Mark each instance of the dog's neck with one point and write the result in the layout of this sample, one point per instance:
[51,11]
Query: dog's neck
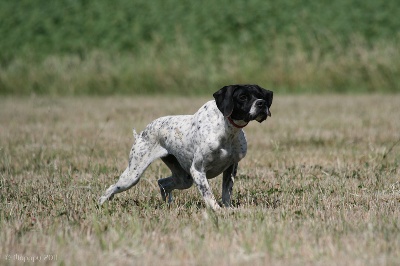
[237,123]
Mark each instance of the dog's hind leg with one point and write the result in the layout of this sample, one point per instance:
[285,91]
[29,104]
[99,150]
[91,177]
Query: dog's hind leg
[142,154]
[180,179]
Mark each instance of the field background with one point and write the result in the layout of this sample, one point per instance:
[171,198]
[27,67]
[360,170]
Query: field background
[193,47]
[320,184]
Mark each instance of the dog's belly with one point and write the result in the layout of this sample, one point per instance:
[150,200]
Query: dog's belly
[220,160]
[217,168]
[214,165]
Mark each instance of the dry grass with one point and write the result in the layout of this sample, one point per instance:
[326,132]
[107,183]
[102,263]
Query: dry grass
[320,185]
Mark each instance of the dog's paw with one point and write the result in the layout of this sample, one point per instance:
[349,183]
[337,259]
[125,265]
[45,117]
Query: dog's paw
[101,200]
[104,198]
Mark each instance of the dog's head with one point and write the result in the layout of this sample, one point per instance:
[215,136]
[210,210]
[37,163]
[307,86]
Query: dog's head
[244,102]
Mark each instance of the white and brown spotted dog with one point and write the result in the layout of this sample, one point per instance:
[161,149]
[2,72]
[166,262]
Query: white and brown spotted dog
[200,146]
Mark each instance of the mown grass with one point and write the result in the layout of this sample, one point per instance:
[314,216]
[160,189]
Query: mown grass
[320,185]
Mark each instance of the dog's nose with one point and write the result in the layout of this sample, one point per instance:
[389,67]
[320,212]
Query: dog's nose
[261,103]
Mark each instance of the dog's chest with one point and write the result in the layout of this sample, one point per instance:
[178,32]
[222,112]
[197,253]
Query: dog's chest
[218,160]
[206,136]
[221,145]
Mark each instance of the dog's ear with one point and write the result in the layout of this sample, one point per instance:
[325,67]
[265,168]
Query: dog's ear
[224,99]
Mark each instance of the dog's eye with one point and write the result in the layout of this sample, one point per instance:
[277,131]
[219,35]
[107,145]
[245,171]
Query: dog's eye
[243,97]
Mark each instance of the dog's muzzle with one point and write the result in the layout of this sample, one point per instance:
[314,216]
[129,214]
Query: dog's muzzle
[259,111]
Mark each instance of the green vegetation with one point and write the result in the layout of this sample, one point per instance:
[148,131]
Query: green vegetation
[194,47]
[316,187]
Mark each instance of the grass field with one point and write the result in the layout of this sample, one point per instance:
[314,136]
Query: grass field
[181,47]
[320,185]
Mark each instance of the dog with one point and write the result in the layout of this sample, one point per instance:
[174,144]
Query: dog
[198,147]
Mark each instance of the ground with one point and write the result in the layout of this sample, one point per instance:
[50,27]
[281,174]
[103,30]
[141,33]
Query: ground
[320,185]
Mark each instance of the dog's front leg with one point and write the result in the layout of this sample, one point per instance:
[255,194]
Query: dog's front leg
[200,179]
[227,184]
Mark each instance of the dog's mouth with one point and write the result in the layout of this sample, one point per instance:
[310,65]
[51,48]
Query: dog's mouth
[260,116]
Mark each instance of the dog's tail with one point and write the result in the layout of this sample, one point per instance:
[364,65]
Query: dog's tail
[135,135]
